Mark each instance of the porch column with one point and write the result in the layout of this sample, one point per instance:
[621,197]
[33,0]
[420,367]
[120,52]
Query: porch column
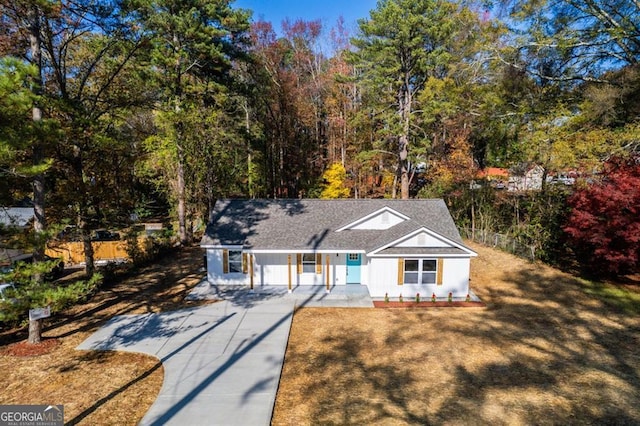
[328,272]
[289,269]
[251,258]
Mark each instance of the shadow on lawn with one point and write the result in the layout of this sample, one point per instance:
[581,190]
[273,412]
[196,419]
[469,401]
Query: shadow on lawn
[589,347]
[128,336]
[544,351]
[159,287]
[149,333]
[581,353]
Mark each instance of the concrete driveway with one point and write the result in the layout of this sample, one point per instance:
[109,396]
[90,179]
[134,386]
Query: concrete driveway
[222,362]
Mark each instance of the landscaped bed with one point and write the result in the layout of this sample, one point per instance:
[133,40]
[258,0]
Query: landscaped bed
[421,304]
[544,351]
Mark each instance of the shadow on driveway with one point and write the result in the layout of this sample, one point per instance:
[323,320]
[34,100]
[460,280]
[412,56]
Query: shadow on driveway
[222,361]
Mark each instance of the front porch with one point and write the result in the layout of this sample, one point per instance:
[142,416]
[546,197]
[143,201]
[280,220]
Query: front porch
[339,296]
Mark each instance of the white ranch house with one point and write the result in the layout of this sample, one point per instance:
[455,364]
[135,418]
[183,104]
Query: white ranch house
[390,246]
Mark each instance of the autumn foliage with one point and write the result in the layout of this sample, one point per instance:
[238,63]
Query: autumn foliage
[334,186]
[604,225]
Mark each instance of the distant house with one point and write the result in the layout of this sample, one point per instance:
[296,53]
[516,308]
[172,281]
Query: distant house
[390,246]
[19,217]
[528,179]
[563,178]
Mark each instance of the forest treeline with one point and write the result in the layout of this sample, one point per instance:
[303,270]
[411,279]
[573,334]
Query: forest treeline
[119,109]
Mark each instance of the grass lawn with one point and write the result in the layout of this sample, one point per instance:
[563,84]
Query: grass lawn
[99,388]
[548,349]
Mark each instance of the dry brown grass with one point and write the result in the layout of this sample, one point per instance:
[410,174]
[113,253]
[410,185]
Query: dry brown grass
[542,352]
[100,388]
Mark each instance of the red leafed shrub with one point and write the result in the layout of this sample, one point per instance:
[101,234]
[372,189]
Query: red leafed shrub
[604,225]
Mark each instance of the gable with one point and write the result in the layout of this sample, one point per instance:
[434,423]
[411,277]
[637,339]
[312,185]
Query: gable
[423,241]
[381,219]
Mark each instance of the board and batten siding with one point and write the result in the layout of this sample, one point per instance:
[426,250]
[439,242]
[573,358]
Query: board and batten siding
[383,220]
[273,269]
[383,278]
[422,240]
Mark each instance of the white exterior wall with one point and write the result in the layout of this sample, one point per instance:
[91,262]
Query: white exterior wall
[215,273]
[379,274]
[339,268]
[383,220]
[383,278]
[422,240]
[273,269]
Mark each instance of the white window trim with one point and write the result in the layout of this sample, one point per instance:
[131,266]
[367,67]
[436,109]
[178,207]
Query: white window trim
[420,272]
[236,262]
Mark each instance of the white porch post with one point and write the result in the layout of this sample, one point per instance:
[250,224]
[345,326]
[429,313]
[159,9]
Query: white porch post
[328,271]
[251,259]
[289,270]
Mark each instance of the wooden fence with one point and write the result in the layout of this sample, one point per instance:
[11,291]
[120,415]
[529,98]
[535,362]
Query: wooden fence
[103,251]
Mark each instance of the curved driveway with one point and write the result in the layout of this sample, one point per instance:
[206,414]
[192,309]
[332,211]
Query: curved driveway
[222,361]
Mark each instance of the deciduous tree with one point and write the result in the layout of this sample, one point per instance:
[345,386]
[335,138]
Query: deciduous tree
[604,225]
[334,182]
[576,39]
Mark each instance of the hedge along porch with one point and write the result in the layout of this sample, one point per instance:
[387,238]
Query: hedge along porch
[391,246]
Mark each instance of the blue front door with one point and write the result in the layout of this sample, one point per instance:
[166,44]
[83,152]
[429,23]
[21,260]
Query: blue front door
[353,268]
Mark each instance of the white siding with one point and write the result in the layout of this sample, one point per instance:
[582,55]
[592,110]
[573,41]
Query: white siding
[383,220]
[379,274]
[422,239]
[383,278]
[273,269]
[339,269]
[215,273]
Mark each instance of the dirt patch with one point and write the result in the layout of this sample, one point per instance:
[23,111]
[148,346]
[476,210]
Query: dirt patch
[543,351]
[99,388]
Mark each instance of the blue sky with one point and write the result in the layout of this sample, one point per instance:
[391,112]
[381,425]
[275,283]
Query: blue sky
[327,11]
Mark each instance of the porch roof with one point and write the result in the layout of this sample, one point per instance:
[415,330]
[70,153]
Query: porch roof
[422,251]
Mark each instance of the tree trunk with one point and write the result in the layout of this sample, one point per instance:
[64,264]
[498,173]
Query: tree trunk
[87,247]
[182,209]
[403,152]
[39,221]
[473,216]
[405,103]
[35,331]
[180,181]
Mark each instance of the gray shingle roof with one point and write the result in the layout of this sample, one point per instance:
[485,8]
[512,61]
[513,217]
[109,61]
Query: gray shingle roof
[312,223]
